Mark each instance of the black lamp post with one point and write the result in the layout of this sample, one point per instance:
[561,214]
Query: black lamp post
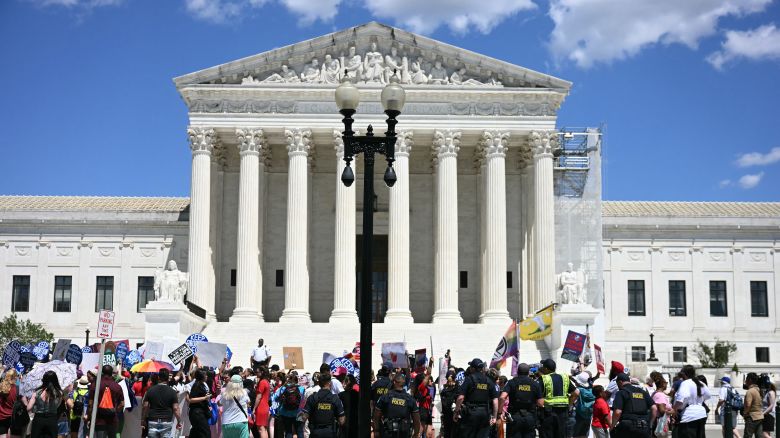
[347,99]
[652,357]
[86,341]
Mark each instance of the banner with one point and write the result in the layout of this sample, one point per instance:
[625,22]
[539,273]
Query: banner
[395,354]
[600,363]
[538,326]
[41,350]
[342,362]
[122,348]
[508,347]
[420,360]
[293,358]
[90,361]
[575,343]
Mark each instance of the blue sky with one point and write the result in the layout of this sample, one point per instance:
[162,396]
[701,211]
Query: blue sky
[688,90]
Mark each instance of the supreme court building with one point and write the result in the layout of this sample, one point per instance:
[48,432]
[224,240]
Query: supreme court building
[493,201]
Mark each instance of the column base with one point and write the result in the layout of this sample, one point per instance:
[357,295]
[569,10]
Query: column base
[246,315]
[447,317]
[494,316]
[344,315]
[295,316]
[399,316]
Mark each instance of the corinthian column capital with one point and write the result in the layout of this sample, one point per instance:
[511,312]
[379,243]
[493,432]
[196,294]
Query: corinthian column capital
[338,142]
[202,140]
[543,142]
[404,142]
[494,143]
[446,143]
[250,141]
[298,141]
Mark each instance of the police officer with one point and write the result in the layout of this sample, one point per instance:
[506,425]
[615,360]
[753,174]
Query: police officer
[633,410]
[524,396]
[382,385]
[324,410]
[476,407]
[559,394]
[396,412]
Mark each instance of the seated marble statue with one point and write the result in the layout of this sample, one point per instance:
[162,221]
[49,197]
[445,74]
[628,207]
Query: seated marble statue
[393,62]
[249,80]
[311,73]
[438,75]
[373,68]
[459,78]
[331,71]
[417,75]
[353,64]
[170,285]
[492,80]
[286,75]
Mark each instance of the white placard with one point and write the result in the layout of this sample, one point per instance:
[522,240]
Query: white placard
[89,361]
[60,349]
[105,324]
[211,354]
[395,353]
[154,350]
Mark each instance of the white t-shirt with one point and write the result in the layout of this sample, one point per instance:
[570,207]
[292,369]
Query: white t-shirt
[687,395]
[335,386]
[724,391]
[231,413]
[260,354]
[613,389]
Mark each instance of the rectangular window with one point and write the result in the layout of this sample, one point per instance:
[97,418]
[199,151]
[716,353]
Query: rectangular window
[509,280]
[280,278]
[680,354]
[758,299]
[677,298]
[464,279]
[233,277]
[104,294]
[637,354]
[762,354]
[636,298]
[718,305]
[20,299]
[145,292]
[62,292]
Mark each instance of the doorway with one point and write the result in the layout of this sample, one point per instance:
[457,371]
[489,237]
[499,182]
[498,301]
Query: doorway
[379,277]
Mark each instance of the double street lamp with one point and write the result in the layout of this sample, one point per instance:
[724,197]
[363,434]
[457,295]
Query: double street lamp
[347,99]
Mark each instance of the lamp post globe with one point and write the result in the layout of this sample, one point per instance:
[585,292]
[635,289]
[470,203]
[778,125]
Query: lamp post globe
[347,95]
[393,96]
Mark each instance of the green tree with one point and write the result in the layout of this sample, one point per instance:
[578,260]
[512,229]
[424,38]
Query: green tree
[716,356]
[22,330]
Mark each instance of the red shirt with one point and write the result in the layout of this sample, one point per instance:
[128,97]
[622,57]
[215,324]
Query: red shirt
[7,403]
[424,397]
[600,413]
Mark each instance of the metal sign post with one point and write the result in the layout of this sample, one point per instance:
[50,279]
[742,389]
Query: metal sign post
[105,331]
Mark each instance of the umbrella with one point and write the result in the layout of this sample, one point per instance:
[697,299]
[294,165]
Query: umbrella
[150,366]
[66,374]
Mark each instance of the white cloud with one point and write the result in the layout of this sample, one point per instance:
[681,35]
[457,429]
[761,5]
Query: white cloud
[759,159]
[756,44]
[312,10]
[588,32]
[425,16]
[85,4]
[750,180]
[724,183]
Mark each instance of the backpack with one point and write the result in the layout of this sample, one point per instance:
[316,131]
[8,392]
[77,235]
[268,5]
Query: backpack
[735,400]
[78,403]
[106,408]
[291,397]
[584,405]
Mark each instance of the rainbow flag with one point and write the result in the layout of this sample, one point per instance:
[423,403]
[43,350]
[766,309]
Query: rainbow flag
[508,346]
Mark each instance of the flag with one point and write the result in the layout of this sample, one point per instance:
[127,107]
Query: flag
[538,326]
[508,347]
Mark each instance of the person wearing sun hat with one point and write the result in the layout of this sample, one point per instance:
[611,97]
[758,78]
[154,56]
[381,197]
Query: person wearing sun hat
[79,396]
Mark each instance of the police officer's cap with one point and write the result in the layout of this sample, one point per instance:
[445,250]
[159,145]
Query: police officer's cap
[477,364]
[622,377]
[523,369]
[549,364]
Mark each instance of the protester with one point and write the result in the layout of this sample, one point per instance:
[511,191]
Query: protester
[583,407]
[234,402]
[725,407]
[262,404]
[612,387]
[290,397]
[349,400]
[79,397]
[198,399]
[448,395]
[753,410]
[160,407]
[44,404]
[689,399]
[601,423]
[8,396]
[768,404]
[664,407]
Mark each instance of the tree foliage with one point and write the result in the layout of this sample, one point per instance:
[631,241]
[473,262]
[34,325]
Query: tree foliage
[716,356]
[22,330]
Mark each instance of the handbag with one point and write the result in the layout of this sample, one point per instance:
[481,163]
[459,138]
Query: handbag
[662,425]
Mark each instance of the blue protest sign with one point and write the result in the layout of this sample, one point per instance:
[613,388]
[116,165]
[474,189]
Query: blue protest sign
[11,353]
[572,349]
[228,354]
[26,348]
[342,362]
[74,354]
[121,351]
[27,359]
[132,358]
[41,350]
[194,339]
[86,349]
[19,367]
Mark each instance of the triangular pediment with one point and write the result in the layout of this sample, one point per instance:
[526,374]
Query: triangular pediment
[370,53]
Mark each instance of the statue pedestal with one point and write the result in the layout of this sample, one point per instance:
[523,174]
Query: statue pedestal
[576,317]
[170,322]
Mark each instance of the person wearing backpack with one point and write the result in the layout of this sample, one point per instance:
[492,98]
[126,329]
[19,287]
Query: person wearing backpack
[583,407]
[729,403]
[110,401]
[290,397]
[79,396]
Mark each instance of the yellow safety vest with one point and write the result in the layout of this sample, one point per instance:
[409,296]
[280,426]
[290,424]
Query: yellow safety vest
[555,400]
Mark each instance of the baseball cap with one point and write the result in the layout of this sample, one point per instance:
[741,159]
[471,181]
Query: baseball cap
[622,377]
[726,379]
[477,363]
[340,371]
[236,379]
[549,364]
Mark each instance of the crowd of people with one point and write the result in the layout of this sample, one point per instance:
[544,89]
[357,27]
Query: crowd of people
[264,401]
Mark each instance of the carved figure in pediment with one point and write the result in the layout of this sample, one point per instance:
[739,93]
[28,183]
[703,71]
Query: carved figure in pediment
[418,75]
[394,62]
[311,73]
[459,78]
[353,64]
[492,80]
[331,71]
[374,70]
[286,75]
[249,80]
[438,74]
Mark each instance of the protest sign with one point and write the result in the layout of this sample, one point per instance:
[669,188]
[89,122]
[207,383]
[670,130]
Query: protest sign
[228,354]
[89,361]
[60,349]
[194,339]
[86,349]
[444,364]
[41,350]
[572,349]
[122,347]
[180,354]
[342,362]
[132,358]
[600,362]
[105,327]
[73,354]
[293,357]
[211,354]
[11,353]
[153,350]
[27,359]
[327,358]
[109,359]
[394,353]
[420,360]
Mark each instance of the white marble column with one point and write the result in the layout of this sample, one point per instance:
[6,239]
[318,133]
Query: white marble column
[249,285]
[446,144]
[530,260]
[296,269]
[345,264]
[398,235]
[494,295]
[202,141]
[523,272]
[543,144]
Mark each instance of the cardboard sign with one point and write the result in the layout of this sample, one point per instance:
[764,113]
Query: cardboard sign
[73,354]
[11,353]
[394,353]
[60,349]
[153,350]
[211,354]
[105,327]
[600,363]
[89,361]
[444,365]
[293,358]
[180,354]
[572,349]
